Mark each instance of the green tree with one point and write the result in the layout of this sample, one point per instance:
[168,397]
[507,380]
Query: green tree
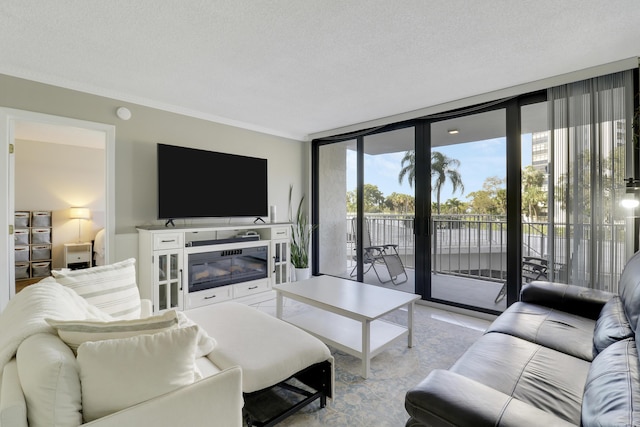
[408,170]
[454,206]
[533,196]
[400,203]
[352,201]
[373,199]
[443,168]
[491,199]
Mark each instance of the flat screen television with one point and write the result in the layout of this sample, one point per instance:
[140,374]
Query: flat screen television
[196,183]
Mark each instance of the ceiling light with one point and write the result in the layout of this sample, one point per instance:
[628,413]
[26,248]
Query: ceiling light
[453,131]
[630,200]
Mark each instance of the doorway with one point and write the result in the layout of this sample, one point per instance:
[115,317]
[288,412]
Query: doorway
[13,125]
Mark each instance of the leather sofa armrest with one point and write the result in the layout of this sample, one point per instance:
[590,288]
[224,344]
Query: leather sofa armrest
[446,399]
[573,299]
[214,400]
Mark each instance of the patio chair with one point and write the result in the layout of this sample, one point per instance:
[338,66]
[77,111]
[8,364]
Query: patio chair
[533,268]
[385,254]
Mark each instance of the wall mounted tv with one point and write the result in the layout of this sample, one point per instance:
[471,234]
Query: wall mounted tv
[196,183]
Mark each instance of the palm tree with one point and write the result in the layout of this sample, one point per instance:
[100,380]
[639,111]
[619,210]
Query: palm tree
[410,169]
[442,167]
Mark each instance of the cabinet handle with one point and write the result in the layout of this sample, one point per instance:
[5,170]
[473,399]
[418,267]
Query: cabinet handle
[212,296]
[252,288]
[167,241]
[180,278]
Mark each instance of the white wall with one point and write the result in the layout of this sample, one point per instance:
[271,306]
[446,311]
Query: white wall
[135,159]
[54,177]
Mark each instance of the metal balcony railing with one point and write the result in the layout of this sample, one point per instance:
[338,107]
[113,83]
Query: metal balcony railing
[475,245]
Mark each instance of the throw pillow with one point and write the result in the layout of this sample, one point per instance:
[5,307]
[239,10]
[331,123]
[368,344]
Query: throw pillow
[49,377]
[112,288]
[76,332]
[117,374]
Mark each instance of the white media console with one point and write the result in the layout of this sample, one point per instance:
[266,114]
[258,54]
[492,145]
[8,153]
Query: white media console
[185,267]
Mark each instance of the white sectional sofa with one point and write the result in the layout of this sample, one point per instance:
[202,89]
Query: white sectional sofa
[81,348]
[43,383]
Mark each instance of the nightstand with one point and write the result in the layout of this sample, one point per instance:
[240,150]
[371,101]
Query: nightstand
[77,255]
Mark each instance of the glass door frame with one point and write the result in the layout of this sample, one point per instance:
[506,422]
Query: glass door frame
[423,215]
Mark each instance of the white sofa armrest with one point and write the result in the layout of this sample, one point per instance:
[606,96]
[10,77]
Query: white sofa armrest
[13,407]
[146,308]
[216,400]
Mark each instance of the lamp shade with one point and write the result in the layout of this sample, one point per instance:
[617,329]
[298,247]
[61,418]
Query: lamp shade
[79,213]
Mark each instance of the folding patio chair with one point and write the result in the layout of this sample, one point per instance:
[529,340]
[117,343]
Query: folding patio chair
[533,268]
[378,255]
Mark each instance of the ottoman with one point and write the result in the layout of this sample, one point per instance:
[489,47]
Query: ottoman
[270,351]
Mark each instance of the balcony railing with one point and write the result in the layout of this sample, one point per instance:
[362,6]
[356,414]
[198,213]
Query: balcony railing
[475,245]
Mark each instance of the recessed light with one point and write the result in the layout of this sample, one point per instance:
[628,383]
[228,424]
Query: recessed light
[453,131]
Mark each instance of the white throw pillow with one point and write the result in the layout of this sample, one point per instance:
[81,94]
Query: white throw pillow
[75,332]
[112,288]
[117,374]
[49,377]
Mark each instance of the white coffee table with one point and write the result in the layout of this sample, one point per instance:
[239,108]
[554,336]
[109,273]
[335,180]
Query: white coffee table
[347,314]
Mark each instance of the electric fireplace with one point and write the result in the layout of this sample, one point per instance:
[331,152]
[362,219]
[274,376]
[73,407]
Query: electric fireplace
[207,270]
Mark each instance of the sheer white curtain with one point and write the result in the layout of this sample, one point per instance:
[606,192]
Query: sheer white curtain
[590,155]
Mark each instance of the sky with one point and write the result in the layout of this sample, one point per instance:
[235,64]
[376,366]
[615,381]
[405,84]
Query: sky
[478,161]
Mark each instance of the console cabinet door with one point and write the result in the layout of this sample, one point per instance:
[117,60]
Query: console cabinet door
[280,251]
[167,280]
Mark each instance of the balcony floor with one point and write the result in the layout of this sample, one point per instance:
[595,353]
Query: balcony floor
[444,287]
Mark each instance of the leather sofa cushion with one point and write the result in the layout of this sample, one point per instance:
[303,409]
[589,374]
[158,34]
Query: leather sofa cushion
[555,329]
[612,391]
[612,326]
[629,289]
[584,302]
[541,377]
[446,399]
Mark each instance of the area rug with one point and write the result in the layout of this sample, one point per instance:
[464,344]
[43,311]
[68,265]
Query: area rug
[379,400]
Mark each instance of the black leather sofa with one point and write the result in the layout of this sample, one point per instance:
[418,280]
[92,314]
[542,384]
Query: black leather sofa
[562,356]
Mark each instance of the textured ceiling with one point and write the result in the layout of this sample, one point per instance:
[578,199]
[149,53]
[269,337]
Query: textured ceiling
[298,67]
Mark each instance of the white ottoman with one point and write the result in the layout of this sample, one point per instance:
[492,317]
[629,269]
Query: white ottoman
[269,350]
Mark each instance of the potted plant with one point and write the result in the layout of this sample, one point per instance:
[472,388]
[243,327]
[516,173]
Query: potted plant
[300,239]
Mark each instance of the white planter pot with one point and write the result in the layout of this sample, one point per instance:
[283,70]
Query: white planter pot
[301,273]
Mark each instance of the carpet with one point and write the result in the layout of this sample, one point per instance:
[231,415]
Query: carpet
[379,400]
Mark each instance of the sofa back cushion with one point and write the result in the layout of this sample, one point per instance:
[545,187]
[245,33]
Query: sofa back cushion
[612,326]
[112,288]
[629,289]
[49,376]
[612,390]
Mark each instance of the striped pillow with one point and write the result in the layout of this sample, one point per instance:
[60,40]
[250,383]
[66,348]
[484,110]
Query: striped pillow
[76,332]
[112,288]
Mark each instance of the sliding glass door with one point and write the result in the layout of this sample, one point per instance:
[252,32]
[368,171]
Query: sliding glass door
[469,210]
[472,204]
[366,208]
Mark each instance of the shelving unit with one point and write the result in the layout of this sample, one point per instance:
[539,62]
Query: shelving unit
[32,238]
